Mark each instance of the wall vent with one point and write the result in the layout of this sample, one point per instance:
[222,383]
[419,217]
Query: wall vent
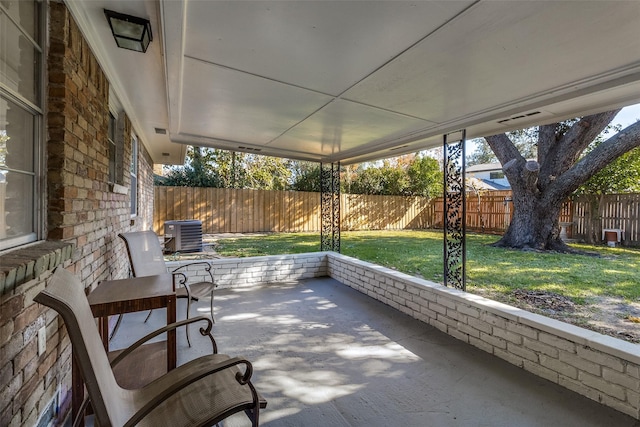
[519,116]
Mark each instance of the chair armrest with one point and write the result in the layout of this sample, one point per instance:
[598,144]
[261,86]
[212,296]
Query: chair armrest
[242,378]
[207,266]
[203,331]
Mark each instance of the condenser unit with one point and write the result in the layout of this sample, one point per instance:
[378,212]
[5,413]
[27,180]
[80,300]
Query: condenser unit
[183,236]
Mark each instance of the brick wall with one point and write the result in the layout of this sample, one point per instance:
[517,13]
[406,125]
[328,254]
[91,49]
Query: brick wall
[84,216]
[599,367]
[239,272]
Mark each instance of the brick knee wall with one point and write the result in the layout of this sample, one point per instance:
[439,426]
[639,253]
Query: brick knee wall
[599,367]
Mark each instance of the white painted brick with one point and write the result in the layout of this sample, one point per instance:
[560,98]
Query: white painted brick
[509,357]
[494,320]
[488,348]
[580,388]
[618,405]
[620,379]
[450,322]
[428,295]
[468,330]
[428,313]
[580,363]
[558,366]
[600,358]
[633,397]
[540,347]
[413,306]
[459,335]
[557,342]
[469,311]
[479,325]
[453,314]
[522,352]
[437,308]
[447,302]
[508,336]
[438,325]
[541,371]
[602,385]
[494,341]
[633,370]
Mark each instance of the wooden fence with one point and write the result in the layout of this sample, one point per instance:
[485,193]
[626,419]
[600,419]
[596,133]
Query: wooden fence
[226,210]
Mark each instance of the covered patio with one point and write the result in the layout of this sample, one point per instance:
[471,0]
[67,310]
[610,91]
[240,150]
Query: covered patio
[325,354]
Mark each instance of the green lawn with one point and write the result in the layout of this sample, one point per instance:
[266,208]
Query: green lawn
[491,271]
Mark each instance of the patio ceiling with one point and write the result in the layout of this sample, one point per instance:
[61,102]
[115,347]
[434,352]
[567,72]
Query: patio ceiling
[358,80]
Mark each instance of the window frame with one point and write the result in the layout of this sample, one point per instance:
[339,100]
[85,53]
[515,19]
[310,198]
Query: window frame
[133,172]
[36,110]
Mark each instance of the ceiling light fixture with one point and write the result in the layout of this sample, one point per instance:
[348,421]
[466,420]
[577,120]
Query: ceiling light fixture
[130,32]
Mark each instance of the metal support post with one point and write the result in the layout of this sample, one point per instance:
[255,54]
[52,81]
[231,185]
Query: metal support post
[330,206]
[454,216]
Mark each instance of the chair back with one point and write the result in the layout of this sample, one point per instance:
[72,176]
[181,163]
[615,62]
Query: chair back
[145,253]
[65,294]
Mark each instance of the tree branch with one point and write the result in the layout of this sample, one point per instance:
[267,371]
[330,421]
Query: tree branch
[625,140]
[581,134]
[503,147]
[546,141]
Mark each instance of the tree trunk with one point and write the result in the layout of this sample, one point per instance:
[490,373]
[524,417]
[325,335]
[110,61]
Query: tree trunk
[534,225]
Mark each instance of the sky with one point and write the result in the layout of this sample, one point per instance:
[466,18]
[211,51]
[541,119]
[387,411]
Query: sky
[627,116]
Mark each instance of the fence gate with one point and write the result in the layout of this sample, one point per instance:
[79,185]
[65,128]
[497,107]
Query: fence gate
[454,210]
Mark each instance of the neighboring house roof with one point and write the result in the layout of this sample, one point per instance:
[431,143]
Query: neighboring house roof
[484,167]
[484,184]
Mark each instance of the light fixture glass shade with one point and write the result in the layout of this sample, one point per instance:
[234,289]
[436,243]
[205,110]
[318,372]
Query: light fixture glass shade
[130,32]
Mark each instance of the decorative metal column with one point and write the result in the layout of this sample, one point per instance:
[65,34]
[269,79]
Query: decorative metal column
[330,206]
[454,216]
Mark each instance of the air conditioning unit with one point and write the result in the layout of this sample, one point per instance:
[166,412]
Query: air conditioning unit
[183,236]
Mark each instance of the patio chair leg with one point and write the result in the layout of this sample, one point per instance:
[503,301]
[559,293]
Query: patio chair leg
[187,326]
[212,319]
[115,329]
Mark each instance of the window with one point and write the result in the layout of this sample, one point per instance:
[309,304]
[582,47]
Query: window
[21,76]
[496,175]
[133,168]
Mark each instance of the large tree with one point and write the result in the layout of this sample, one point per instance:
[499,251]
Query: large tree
[541,186]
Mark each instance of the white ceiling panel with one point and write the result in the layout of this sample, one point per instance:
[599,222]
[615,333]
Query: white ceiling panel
[344,126]
[220,103]
[322,45]
[497,54]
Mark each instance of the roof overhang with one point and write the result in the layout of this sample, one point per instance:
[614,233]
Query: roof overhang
[352,81]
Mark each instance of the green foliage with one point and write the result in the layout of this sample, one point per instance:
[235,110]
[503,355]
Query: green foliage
[305,176]
[620,176]
[491,271]
[206,167]
[525,141]
[198,172]
[425,177]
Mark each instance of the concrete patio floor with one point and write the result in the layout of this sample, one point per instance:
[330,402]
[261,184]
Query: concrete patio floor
[327,355]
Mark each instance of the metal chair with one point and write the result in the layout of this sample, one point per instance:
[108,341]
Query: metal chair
[201,392]
[146,259]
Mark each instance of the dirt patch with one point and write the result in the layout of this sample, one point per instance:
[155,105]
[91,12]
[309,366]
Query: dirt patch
[606,315]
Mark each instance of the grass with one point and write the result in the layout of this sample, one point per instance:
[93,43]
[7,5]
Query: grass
[491,271]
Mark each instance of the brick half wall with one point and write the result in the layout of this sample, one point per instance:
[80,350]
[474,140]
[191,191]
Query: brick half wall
[602,368]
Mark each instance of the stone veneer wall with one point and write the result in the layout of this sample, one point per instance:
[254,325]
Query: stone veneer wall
[599,367]
[84,217]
